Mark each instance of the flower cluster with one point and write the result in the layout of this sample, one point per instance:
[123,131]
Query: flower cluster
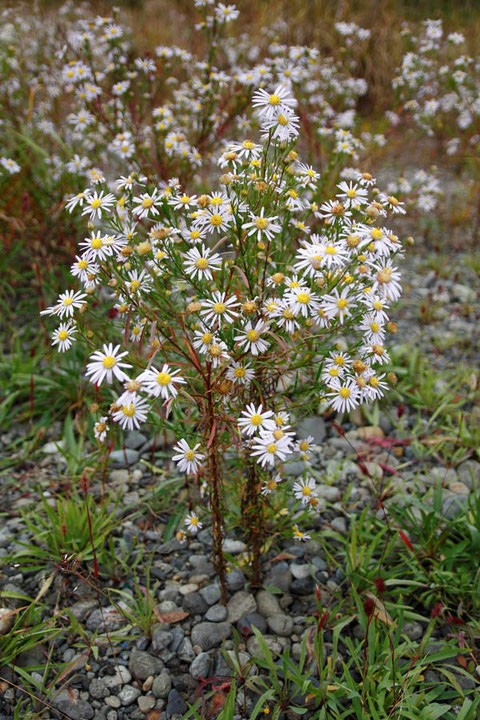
[438,83]
[237,307]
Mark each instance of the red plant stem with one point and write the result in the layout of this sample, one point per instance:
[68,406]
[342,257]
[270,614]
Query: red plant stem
[215,487]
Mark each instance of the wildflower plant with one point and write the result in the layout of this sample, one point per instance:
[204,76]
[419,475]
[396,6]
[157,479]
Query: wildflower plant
[229,315]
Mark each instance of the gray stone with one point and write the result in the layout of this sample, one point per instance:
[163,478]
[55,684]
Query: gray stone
[235,579]
[81,609]
[314,426]
[161,639]
[328,492]
[194,603]
[185,651]
[146,703]
[68,701]
[162,685]
[340,524]
[240,604]
[216,613]
[107,619]
[142,664]
[208,635]
[123,458]
[128,694]
[97,688]
[302,586]
[244,625]
[233,547]
[469,473]
[121,676]
[211,593]
[281,625]
[279,577]
[201,666]
[413,630]
[135,440]
[453,505]
[300,571]
[114,701]
[176,705]
[267,604]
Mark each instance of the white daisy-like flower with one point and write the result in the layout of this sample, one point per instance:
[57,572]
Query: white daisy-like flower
[100,429]
[146,204]
[219,308]
[337,305]
[96,204]
[106,365]
[270,486]
[352,195]
[63,336]
[201,262]
[193,523]
[268,450]
[250,338]
[84,268]
[161,382]
[67,302]
[240,373]
[262,226]
[344,394]
[187,459]
[299,535]
[305,446]
[131,414]
[282,127]
[302,301]
[271,104]
[98,247]
[303,490]
[254,419]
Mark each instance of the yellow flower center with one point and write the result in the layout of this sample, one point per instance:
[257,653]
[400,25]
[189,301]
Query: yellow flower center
[134,285]
[306,491]
[256,420]
[376,234]
[185,199]
[342,304]
[330,250]
[272,448]
[147,202]
[282,120]
[129,410]
[95,203]
[82,264]
[261,223]
[207,338]
[190,455]
[351,193]
[252,335]
[108,362]
[216,220]
[239,372]
[201,263]
[215,350]
[164,378]
[303,298]
[344,392]
[219,308]
[62,335]
[248,145]
[274,100]
[278,434]
[96,243]
[68,301]
[304,445]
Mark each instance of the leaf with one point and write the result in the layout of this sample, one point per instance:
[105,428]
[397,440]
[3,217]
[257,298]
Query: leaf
[282,556]
[173,617]
[380,610]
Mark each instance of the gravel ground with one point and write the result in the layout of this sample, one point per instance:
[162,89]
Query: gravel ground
[153,677]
